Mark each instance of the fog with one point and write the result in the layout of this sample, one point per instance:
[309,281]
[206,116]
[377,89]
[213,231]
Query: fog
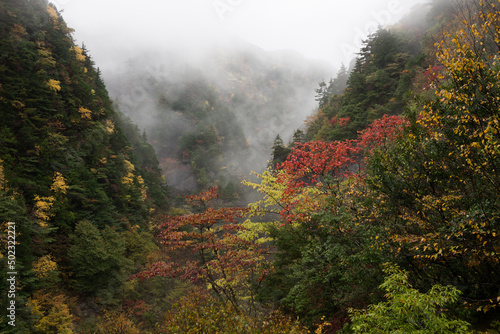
[257,94]
[331,30]
[270,54]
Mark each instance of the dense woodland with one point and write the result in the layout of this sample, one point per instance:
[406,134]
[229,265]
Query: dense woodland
[380,215]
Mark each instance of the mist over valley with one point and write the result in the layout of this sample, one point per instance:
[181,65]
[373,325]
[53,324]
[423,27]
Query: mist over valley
[153,67]
[241,96]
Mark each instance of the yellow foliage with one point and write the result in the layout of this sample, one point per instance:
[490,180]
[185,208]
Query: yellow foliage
[59,183]
[303,202]
[129,166]
[52,12]
[55,85]
[471,113]
[36,307]
[46,59]
[272,191]
[110,126]
[44,266]
[79,53]
[143,188]
[198,312]
[51,313]
[49,62]
[113,322]
[85,113]
[44,52]
[42,209]
[257,232]
[129,178]
[322,326]
[2,175]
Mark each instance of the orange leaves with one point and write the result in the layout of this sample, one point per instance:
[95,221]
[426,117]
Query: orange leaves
[173,233]
[203,197]
[18,32]
[381,131]
[161,268]
[218,256]
[341,122]
[310,162]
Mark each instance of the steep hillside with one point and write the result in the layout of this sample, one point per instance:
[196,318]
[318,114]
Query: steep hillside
[390,68]
[195,134]
[397,177]
[74,174]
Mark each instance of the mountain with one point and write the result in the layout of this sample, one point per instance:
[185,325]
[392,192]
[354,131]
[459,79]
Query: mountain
[389,70]
[75,176]
[243,92]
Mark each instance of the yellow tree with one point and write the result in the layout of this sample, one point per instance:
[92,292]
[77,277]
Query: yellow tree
[465,118]
[51,313]
[293,205]
[440,184]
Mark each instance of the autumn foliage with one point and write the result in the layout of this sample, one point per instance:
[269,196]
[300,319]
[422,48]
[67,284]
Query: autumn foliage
[381,132]
[313,162]
[374,182]
[198,312]
[220,258]
[419,190]
[439,183]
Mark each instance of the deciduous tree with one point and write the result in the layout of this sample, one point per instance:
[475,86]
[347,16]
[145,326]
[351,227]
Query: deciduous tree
[221,259]
[440,182]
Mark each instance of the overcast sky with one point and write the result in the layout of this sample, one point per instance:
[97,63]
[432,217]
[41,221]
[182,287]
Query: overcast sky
[325,29]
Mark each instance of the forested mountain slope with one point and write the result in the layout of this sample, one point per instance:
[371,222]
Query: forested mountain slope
[397,177]
[75,176]
[393,64]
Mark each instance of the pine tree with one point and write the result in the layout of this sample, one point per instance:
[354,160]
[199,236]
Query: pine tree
[279,152]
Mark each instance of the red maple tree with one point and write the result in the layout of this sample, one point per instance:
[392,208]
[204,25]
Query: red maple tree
[220,257]
[381,131]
